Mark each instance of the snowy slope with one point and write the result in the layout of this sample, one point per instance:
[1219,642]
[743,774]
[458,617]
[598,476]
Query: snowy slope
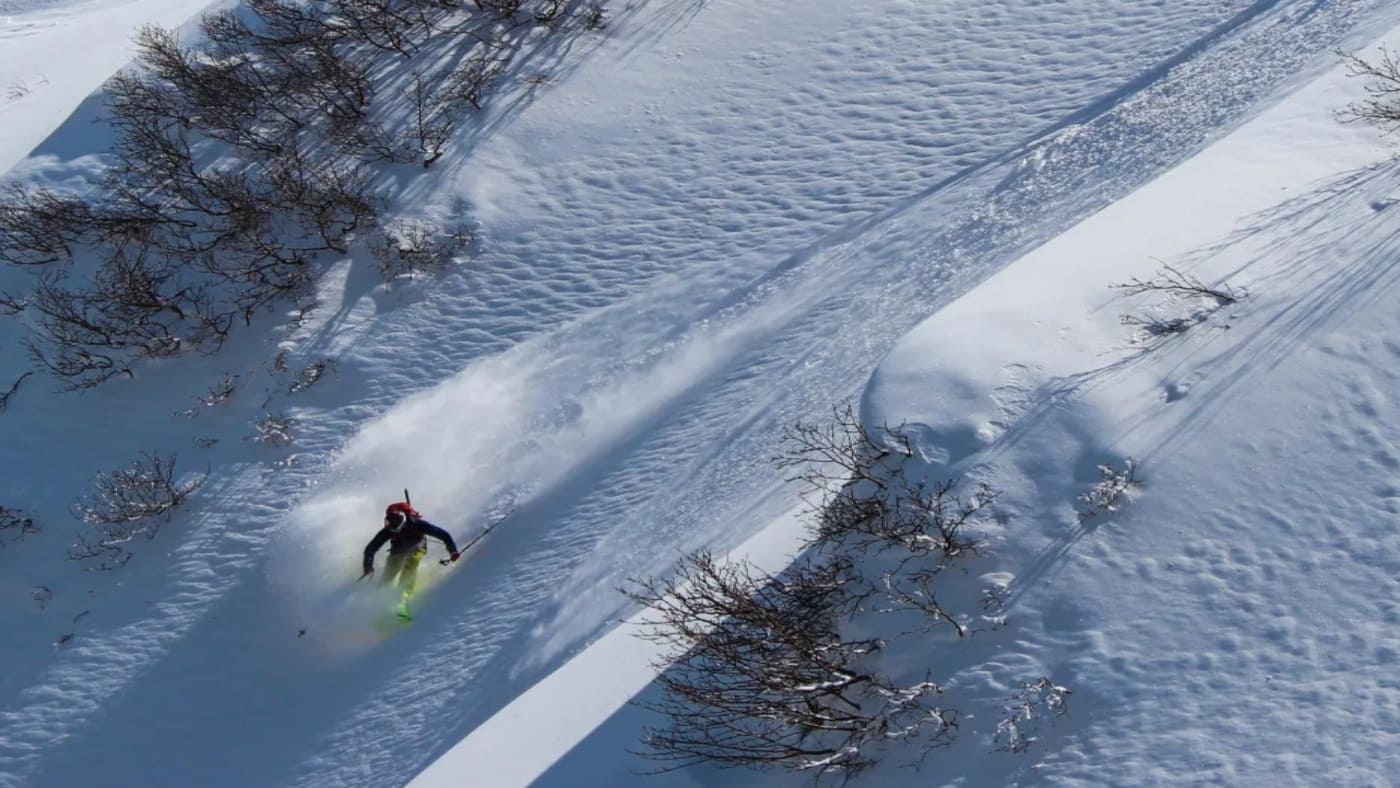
[714,220]
[1246,594]
[54,53]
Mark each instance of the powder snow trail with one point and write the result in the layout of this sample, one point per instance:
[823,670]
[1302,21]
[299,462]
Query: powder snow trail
[626,369]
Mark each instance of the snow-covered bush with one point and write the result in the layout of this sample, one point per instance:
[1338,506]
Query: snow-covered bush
[412,247]
[757,672]
[144,490]
[762,671]
[1036,702]
[1107,494]
[310,375]
[130,502]
[272,429]
[862,498]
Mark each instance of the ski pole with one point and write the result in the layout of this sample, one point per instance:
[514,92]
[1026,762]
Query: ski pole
[477,538]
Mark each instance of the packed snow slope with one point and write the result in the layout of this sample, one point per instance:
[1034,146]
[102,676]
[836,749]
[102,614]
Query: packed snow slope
[710,220]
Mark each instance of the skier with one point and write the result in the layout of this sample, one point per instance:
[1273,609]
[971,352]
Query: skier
[406,532]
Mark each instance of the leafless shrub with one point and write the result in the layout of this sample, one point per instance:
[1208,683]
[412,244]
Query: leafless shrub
[272,429]
[1107,494]
[100,557]
[410,247]
[17,523]
[757,674]
[131,310]
[20,88]
[183,242]
[239,161]
[144,492]
[129,503]
[469,83]
[861,498]
[1037,701]
[310,374]
[220,392]
[399,26]
[1173,282]
[1382,105]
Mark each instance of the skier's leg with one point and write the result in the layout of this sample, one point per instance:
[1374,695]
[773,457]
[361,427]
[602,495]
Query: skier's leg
[393,565]
[408,578]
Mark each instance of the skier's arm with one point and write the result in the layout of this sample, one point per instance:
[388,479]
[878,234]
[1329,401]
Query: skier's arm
[438,533]
[373,547]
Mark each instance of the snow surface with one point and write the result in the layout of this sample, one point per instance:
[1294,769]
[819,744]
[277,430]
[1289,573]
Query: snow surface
[710,221]
[55,53]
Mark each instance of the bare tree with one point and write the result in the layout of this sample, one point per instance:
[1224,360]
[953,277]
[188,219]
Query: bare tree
[757,673]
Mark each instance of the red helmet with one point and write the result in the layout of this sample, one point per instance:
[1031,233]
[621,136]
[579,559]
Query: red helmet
[396,514]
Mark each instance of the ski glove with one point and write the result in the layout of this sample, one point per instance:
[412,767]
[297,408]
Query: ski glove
[456,555]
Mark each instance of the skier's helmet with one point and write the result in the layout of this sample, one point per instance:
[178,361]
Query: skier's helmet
[396,515]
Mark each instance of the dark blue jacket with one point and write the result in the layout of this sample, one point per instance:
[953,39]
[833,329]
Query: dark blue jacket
[408,539]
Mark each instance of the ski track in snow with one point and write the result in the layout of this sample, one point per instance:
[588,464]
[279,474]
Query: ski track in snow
[707,249]
[1283,587]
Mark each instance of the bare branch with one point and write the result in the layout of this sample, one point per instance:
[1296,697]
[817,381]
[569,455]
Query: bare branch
[14,387]
[1170,280]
